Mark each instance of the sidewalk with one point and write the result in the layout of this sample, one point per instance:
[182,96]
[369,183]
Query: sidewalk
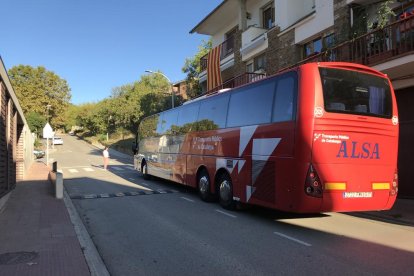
[37,236]
[401,213]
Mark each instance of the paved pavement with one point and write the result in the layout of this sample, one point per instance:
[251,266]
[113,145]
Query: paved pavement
[37,236]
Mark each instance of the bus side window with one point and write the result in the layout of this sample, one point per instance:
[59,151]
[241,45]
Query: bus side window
[167,120]
[283,109]
[213,113]
[186,118]
[251,105]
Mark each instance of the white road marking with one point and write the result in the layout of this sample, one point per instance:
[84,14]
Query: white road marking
[73,170]
[227,214]
[75,167]
[117,168]
[292,239]
[132,179]
[88,169]
[187,199]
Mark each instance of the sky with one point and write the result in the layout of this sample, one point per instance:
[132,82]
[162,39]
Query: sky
[97,45]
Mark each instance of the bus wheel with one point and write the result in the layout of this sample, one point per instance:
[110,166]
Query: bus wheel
[204,186]
[144,170]
[226,192]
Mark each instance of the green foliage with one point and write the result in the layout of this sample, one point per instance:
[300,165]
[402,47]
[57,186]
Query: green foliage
[36,122]
[36,88]
[126,106]
[383,15]
[192,69]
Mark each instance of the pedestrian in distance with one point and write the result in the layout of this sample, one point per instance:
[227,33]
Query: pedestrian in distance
[106,157]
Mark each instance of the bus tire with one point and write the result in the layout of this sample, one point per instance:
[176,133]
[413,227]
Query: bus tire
[225,192]
[204,186]
[144,170]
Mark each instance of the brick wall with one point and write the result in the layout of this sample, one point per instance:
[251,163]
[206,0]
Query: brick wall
[239,66]
[3,141]
[282,51]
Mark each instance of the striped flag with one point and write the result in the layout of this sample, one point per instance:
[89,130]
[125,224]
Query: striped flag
[213,68]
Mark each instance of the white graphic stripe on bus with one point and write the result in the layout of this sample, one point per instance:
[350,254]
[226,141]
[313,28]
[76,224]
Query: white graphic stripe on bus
[241,164]
[261,151]
[246,134]
[222,163]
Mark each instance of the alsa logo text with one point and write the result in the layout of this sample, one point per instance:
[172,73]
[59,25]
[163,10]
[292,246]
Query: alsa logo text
[354,149]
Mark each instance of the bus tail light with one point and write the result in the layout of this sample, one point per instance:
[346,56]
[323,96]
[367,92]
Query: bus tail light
[394,185]
[313,185]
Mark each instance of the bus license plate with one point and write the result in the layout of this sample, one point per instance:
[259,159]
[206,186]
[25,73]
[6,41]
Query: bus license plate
[357,194]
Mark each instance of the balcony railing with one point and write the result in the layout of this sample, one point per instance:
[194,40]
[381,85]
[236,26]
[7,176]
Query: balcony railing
[227,48]
[238,81]
[392,41]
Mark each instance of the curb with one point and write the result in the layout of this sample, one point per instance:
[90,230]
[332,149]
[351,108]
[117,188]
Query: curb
[92,257]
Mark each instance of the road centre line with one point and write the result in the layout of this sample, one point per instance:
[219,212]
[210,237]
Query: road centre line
[187,199]
[227,214]
[292,239]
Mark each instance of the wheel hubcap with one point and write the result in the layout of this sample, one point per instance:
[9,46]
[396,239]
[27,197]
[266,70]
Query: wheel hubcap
[225,190]
[203,184]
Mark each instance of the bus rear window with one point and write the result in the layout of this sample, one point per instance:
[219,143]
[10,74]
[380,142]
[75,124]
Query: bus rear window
[354,92]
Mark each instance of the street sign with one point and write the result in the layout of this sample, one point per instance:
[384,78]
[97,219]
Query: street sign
[47,131]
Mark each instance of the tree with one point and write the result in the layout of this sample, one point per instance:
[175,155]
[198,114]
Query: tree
[35,121]
[126,106]
[36,88]
[192,68]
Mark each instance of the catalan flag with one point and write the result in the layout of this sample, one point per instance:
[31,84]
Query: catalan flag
[213,68]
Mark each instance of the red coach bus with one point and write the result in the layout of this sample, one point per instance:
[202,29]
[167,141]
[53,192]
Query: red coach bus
[318,138]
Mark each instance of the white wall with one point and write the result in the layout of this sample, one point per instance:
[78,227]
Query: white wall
[219,37]
[255,10]
[289,12]
[323,19]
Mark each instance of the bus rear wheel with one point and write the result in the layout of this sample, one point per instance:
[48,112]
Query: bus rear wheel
[204,186]
[144,170]
[226,192]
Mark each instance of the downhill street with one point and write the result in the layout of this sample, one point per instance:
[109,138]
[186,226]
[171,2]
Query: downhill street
[154,227]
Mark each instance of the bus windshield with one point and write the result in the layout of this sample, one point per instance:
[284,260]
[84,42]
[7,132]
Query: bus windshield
[354,92]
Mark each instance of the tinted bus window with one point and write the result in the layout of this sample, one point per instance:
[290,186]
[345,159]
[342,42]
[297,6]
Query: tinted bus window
[356,93]
[188,114]
[285,100]
[251,105]
[148,126]
[167,119]
[213,113]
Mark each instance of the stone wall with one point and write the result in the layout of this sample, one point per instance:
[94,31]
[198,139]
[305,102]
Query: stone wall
[282,51]
[239,66]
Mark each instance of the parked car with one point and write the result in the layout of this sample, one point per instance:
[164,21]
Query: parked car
[57,141]
[71,133]
[38,153]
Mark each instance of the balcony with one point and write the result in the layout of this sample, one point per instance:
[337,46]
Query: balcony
[238,81]
[227,48]
[379,46]
[254,40]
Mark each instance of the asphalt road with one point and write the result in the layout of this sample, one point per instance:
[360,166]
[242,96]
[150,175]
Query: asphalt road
[154,227]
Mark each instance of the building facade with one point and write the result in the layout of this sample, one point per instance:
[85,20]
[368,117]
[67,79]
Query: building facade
[258,38]
[16,141]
